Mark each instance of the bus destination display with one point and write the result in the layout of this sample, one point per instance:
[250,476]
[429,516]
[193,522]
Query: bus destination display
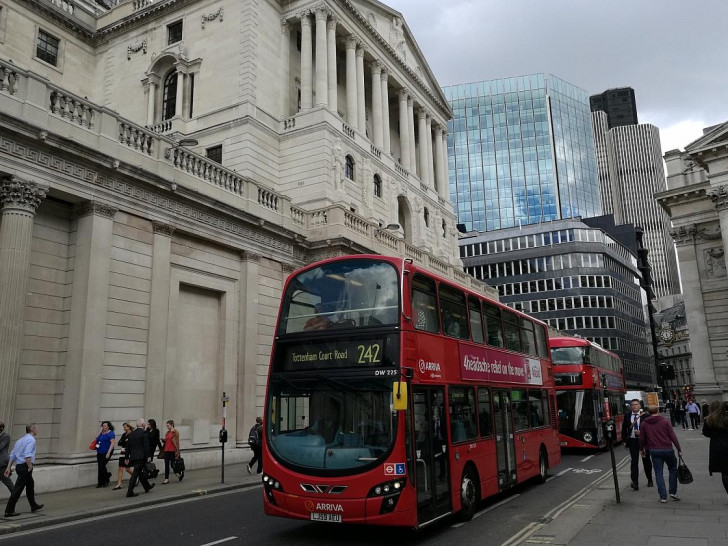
[335,354]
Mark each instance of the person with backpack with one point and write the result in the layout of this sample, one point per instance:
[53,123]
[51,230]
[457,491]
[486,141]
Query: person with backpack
[255,441]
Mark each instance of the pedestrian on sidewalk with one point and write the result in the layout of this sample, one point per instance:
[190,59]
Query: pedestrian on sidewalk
[105,442]
[657,438]
[154,441]
[138,455]
[171,449]
[716,428]
[255,441]
[123,461]
[682,413]
[5,457]
[670,407]
[631,435]
[23,457]
[694,412]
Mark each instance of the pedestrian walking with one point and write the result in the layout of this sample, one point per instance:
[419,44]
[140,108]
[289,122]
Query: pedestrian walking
[694,413]
[631,427]
[704,410]
[171,450]
[154,441]
[138,455]
[124,465]
[716,428]
[682,413]
[5,457]
[255,441]
[670,407]
[657,438]
[105,442]
[23,457]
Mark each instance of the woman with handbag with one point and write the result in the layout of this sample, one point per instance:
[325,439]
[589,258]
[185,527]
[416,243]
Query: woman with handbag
[154,441]
[104,446]
[122,443]
[171,449]
[715,427]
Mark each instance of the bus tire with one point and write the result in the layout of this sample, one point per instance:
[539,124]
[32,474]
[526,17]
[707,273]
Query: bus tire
[543,466]
[469,495]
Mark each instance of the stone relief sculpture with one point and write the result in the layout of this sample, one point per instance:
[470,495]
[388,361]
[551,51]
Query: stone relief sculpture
[396,38]
[715,266]
[372,20]
[338,165]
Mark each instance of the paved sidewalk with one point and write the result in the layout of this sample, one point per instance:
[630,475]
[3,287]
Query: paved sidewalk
[85,502]
[594,517]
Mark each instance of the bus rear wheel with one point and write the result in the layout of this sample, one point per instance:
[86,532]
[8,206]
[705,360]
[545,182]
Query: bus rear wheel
[469,495]
[543,467]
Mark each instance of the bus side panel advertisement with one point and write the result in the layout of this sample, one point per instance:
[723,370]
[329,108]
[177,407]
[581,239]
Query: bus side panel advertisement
[480,364]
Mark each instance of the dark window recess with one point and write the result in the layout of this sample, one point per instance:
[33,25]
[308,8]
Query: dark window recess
[215,153]
[169,99]
[377,186]
[298,40]
[47,48]
[174,33]
[349,168]
[192,92]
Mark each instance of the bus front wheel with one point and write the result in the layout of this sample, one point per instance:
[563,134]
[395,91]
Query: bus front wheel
[469,495]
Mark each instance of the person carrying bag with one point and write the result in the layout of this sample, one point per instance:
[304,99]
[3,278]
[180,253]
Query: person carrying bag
[171,453]
[684,476]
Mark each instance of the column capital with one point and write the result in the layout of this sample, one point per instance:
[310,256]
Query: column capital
[94,207]
[684,234]
[410,101]
[287,268]
[719,196]
[304,17]
[403,94]
[19,194]
[438,130]
[161,228]
[321,12]
[332,22]
[428,117]
[377,68]
[285,26]
[248,256]
[351,41]
[385,72]
[359,49]
[421,113]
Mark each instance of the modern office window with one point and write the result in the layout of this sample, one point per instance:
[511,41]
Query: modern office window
[46,48]
[215,153]
[169,97]
[174,33]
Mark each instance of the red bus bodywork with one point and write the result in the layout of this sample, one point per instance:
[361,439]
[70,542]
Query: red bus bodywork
[441,373]
[581,422]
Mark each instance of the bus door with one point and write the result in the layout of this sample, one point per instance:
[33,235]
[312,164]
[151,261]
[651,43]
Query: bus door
[432,472]
[504,439]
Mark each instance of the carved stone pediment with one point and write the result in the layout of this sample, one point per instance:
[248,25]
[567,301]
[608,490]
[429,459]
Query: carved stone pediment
[716,137]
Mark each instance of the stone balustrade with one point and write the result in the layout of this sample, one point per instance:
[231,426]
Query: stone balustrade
[72,107]
[162,128]
[136,137]
[9,78]
[206,169]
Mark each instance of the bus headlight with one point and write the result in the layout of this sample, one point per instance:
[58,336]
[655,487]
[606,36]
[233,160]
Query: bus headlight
[270,484]
[390,492]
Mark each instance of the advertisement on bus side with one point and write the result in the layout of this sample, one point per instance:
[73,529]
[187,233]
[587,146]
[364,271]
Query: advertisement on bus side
[480,364]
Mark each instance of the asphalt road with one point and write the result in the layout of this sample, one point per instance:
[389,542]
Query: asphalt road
[237,518]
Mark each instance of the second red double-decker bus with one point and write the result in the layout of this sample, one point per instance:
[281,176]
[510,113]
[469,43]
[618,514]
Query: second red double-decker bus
[582,370]
[396,397]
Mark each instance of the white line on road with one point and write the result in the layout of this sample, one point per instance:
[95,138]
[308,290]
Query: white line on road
[585,459]
[228,539]
[496,505]
[564,471]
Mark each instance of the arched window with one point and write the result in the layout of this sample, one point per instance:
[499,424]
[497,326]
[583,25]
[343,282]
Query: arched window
[427,217]
[349,169]
[169,98]
[377,186]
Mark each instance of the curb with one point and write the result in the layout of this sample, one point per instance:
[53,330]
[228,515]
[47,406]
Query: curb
[94,512]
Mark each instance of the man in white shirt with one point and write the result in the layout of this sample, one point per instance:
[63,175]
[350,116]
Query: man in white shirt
[631,438]
[23,457]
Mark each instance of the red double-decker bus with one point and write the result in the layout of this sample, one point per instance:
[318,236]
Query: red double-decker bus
[396,397]
[581,371]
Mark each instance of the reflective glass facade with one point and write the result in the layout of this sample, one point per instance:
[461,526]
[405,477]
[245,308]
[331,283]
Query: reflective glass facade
[521,152]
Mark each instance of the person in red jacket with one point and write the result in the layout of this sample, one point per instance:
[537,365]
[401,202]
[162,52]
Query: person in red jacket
[657,438]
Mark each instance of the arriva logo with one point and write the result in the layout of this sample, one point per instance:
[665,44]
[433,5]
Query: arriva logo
[329,507]
[429,366]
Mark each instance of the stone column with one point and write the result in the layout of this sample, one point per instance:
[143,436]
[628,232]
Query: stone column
[20,199]
[247,377]
[152,97]
[331,57]
[179,99]
[430,167]
[404,130]
[385,111]
[705,382]
[422,126]
[445,185]
[158,319]
[377,104]
[285,53]
[352,117]
[82,381]
[306,62]
[322,62]
[438,160]
[411,130]
[360,97]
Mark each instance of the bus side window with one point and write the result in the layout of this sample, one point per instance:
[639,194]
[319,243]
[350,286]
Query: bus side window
[546,408]
[535,408]
[493,327]
[512,332]
[484,413]
[453,309]
[424,305]
[520,409]
[476,321]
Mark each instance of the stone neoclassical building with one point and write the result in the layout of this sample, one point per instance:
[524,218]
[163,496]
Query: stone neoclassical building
[697,202]
[164,165]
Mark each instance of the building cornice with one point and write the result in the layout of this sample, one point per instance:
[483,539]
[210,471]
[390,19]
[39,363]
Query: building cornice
[61,18]
[684,195]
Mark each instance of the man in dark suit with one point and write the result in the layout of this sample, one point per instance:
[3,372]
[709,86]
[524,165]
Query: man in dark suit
[631,437]
[138,453]
[5,457]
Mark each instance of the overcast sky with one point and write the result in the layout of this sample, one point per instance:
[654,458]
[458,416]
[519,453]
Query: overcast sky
[674,53]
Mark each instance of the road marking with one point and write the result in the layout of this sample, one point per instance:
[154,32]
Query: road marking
[585,459]
[228,539]
[496,505]
[564,471]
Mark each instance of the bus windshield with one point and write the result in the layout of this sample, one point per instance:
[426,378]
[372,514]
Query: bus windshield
[354,293]
[567,355]
[324,423]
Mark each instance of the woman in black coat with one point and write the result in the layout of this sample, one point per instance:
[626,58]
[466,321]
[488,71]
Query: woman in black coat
[154,441]
[715,427]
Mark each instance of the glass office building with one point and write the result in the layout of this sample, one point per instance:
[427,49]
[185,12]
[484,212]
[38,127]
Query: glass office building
[521,151]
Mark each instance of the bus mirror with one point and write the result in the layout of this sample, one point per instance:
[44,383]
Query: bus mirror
[399,395]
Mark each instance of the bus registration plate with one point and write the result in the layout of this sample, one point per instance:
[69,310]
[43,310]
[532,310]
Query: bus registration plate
[332,518]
